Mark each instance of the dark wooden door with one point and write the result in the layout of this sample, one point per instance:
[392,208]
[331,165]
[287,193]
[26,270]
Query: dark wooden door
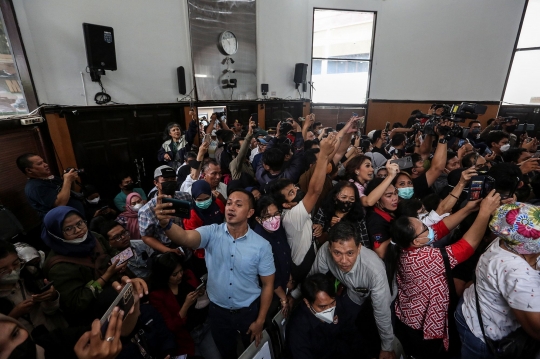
[112,141]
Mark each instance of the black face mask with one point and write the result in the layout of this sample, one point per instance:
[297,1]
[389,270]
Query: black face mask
[511,128]
[168,188]
[129,186]
[299,196]
[25,350]
[343,206]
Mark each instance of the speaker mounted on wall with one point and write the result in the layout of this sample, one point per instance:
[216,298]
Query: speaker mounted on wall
[300,73]
[100,50]
[181,74]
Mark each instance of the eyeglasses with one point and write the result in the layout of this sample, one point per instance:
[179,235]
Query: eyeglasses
[16,263]
[71,230]
[270,216]
[120,236]
[424,231]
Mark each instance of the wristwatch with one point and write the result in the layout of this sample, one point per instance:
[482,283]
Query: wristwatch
[443,140]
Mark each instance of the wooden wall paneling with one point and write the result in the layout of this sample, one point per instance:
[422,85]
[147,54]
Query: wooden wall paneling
[381,111]
[330,117]
[14,143]
[261,116]
[306,108]
[61,139]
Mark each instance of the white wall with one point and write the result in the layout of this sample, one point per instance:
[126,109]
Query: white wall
[424,49]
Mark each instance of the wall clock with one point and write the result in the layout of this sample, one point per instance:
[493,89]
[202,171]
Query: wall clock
[227,43]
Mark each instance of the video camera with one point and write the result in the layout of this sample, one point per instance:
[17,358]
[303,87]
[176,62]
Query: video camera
[455,113]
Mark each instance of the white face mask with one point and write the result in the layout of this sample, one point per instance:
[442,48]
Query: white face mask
[505,148]
[76,240]
[12,277]
[136,207]
[326,316]
[93,201]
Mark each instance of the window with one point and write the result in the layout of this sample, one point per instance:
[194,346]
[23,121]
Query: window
[17,93]
[341,55]
[523,85]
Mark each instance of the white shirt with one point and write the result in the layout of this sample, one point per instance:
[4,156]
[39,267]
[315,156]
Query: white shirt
[254,152]
[431,218]
[505,280]
[186,186]
[299,228]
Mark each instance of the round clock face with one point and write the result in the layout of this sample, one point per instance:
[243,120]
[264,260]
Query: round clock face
[227,43]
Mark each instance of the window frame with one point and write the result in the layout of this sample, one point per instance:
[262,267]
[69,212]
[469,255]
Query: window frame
[370,60]
[516,49]
[19,54]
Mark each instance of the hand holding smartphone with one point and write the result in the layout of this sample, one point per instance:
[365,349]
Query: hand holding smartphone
[124,301]
[123,256]
[182,208]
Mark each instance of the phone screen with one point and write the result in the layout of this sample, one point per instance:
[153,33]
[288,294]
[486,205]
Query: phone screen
[182,208]
[124,301]
[125,255]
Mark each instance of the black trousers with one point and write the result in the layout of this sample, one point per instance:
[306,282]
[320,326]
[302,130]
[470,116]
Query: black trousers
[225,325]
[414,344]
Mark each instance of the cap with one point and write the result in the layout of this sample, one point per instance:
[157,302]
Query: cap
[164,171]
[265,140]
[370,134]
[260,133]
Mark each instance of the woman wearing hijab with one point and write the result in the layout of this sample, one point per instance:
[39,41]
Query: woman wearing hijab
[205,210]
[506,286]
[267,224]
[130,217]
[79,262]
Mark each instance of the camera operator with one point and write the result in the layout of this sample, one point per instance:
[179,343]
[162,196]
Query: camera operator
[45,191]
[508,125]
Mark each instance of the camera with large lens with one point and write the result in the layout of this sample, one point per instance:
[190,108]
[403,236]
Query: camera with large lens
[454,113]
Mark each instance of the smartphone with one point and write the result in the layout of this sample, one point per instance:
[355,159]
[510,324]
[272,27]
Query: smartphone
[201,286]
[387,127]
[480,187]
[521,127]
[207,138]
[124,256]
[255,118]
[45,288]
[124,301]
[536,154]
[355,114]
[182,208]
[404,162]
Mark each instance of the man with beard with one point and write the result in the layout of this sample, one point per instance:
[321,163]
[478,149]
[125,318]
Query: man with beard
[297,208]
[151,232]
[45,191]
[126,187]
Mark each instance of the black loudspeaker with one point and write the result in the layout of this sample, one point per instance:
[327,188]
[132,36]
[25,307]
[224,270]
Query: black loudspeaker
[300,72]
[264,89]
[181,74]
[99,43]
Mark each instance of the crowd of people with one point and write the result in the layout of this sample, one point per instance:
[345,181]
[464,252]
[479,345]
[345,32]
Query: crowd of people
[361,241]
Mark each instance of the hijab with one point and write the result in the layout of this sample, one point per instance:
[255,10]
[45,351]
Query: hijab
[212,214]
[518,224]
[52,234]
[132,217]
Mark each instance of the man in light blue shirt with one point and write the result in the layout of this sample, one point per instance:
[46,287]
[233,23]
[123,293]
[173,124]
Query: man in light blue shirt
[236,258]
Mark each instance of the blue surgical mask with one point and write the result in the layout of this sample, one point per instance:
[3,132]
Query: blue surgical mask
[431,237]
[204,204]
[406,192]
